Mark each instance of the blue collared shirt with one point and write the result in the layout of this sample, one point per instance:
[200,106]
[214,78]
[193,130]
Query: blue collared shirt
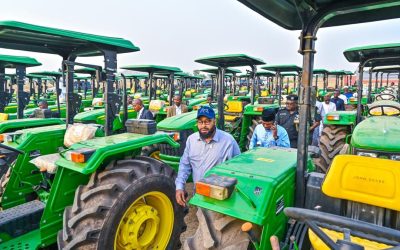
[264,138]
[200,156]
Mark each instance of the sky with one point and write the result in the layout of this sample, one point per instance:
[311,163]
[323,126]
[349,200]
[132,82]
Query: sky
[176,32]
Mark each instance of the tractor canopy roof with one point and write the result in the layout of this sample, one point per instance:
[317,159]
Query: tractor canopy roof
[382,54]
[47,73]
[29,37]
[8,61]
[265,73]
[387,69]
[292,14]
[136,76]
[338,72]
[230,60]
[196,77]
[320,71]
[282,68]
[227,71]
[85,70]
[34,76]
[152,68]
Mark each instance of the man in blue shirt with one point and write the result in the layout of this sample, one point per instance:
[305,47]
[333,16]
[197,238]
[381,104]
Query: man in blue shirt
[338,101]
[268,133]
[204,149]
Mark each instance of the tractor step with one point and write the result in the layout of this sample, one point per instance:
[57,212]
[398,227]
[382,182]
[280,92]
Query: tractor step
[20,220]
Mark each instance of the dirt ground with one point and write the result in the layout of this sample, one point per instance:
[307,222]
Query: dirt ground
[190,219]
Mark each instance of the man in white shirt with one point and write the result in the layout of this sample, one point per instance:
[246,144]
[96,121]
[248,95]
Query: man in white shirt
[324,108]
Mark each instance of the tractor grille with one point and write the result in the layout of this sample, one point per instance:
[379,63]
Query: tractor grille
[166,149]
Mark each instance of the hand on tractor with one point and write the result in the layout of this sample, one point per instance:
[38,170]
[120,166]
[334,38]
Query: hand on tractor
[274,243]
[181,197]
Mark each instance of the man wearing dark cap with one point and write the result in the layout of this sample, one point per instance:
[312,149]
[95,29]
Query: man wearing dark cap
[289,119]
[204,149]
[268,133]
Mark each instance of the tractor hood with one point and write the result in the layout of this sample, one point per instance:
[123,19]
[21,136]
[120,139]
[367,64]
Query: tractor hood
[179,122]
[380,133]
[89,116]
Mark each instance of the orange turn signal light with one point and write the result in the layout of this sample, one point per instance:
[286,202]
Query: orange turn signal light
[1,138]
[177,136]
[81,155]
[258,109]
[203,189]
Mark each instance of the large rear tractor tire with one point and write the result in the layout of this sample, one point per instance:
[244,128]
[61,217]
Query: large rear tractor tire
[332,141]
[217,231]
[254,124]
[129,205]
[152,151]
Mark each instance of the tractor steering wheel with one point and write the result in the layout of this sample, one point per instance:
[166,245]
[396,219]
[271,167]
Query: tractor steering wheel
[313,219]
[385,96]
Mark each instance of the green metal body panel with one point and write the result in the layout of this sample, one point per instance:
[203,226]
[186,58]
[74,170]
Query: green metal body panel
[42,140]
[377,133]
[12,107]
[345,118]
[13,125]
[30,111]
[114,146]
[266,177]
[265,185]
[353,101]
[29,241]
[180,122]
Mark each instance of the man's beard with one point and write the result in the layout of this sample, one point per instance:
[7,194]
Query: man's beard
[208,134]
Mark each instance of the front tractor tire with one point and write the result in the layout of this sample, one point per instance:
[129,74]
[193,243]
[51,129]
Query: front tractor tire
[332,141]
[129,205]
[217,232]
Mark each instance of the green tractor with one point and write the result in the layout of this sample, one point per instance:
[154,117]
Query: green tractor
[78,185]
[274,191]
[340,126]
[20,64]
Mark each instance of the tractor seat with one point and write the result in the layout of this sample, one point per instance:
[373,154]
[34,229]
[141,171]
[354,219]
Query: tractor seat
[75,133]
[369,187]
[3,117]
[156,105]
[234,111]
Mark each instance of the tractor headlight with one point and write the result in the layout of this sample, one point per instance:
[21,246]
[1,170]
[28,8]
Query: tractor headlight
[395,157]
[368,154]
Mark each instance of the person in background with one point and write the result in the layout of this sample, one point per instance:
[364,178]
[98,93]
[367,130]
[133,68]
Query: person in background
[288,118]
[347,93]
[178,108]
[43,111]
[268,133]
[142,113]
[324,108]
[339,102]
[204,149]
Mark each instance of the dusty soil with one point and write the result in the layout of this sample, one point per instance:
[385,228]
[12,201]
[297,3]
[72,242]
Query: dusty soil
[190,219]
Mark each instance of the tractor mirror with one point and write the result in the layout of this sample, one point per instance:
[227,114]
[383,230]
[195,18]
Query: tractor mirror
[314,151]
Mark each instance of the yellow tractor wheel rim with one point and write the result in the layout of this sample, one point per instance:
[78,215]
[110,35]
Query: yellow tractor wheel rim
[146,224]
[155,155]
